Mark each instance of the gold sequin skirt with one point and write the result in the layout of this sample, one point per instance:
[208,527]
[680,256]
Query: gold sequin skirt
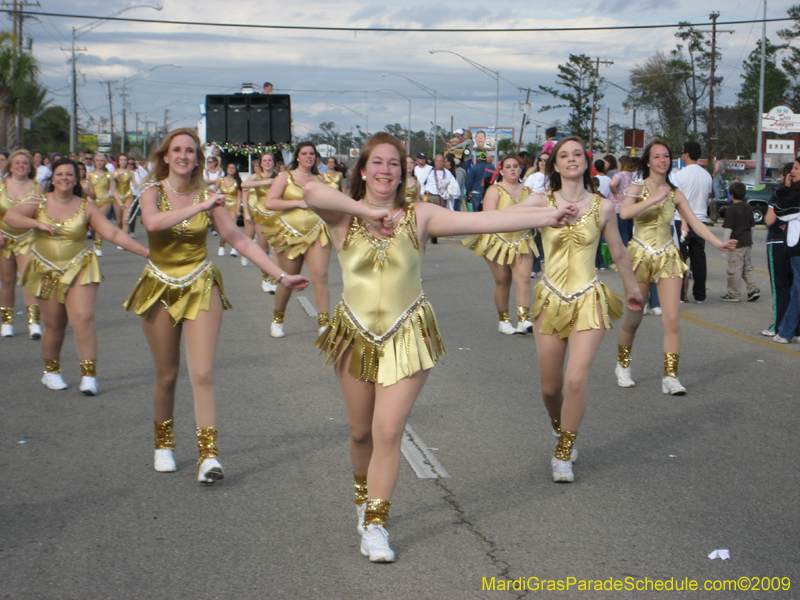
[16,245]
[502,249]
[259,214]
[183,299]
[51,282]
[411,345]
[108,199]
[650,264]
[576,311]
[295,231]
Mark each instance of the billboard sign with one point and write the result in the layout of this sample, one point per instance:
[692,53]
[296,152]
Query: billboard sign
[781,119]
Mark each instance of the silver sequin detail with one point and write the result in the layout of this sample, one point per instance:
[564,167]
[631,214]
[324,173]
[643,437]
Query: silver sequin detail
[569,298]
[178,282]
[380,340]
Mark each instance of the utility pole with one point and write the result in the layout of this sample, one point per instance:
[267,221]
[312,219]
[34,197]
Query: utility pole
[712,83]
[110,113]
[759,142]
[124,95]
[594,99]
[524,113]
[73,128]
[608,130]
[18,18]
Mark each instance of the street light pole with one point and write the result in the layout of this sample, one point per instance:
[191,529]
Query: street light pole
[429,91]
[496,75]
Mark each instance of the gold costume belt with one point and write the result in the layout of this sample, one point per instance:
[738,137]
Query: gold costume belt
[16,238]
[296,233]
[650,249]
[106,197]
[175,281]
[68,266]
[380,340]
[569,298]
[526,236]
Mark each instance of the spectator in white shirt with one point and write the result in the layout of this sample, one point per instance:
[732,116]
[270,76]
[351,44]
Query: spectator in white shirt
[603,181]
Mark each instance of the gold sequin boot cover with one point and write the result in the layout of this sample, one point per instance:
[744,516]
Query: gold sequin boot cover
[624,356]
[360,483]
[268,278]
[206,443]
[278,316]
[324,319]
[8,315]
[523,313]
[52,366]
[98,242]
[556,423]
[377,512]
[565,443]
[671,360]
[165,434]
[504,318]
[34,315]
[89,367]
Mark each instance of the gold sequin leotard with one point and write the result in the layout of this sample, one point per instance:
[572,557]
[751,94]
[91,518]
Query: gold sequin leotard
[652,248]
[255,200]
[102,187]
[412,191]
[569,292]
[503,248]
[384,315]
[18,241]
[332,180]
[294,230]
[122,179]
[231,196]
[178,274]
[57,261]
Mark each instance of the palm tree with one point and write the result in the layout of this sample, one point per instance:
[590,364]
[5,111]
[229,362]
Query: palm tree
[18,72]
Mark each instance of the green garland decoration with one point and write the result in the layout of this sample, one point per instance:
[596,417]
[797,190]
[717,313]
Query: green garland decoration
[246,149]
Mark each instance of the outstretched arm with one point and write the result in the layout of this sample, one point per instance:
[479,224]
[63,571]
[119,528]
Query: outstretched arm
[336,208]
[699,227]
[633,205]
[113,234]
[156,220]
[23,216]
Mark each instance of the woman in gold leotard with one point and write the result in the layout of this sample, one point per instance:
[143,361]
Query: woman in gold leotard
[652,203]
[383,338]
[230,186]
[123,192]
[258,185]
[571,307]
[412,185]
[17,186]
[333,177]
[509,255]
[101,190]
[298,235]
[181,290]
[63,271]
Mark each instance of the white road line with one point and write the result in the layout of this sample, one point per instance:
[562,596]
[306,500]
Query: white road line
[419,457]
[307,306]
[413,448]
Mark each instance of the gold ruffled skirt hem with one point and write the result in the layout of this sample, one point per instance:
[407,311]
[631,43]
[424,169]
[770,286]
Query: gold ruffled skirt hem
[182,303]
[16,247]
[649,267]
[580,313]
[416,345]
[44,282]
[497,249]
[262,216]
[285,239]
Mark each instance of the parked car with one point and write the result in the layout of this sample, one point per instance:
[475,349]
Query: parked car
[756,196]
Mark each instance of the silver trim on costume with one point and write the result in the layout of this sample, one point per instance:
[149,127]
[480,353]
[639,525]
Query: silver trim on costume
[61,270]
[569,298]
[296,233]
[16,238]
[175,281]
[652,250]
[380,340]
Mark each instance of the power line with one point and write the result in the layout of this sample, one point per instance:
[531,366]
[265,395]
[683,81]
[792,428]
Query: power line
[390,29]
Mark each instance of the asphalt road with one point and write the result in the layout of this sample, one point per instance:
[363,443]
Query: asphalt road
[661,481]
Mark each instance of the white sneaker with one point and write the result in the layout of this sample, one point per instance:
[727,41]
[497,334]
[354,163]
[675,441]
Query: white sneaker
[210,471]
[276,330]
[235,252]
[646,309]
[768,332]
[221,251]
[781,340]
[524,327]
[671,385]
[265,286]
[656,310]
[506,328]
[88,386]
[562,470]
[119,247]
[272,287]
[361,509]
[6,330]
[322,330]
[375,544]
[574,456]
[98,252]
[54,381]
[34,331]
[624,378]
[245,262]
[164,461]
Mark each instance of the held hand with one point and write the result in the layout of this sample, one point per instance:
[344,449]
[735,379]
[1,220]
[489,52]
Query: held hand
[563,215]
[634,300]
[45,227]
[214,200]
[295,282]
[729,246]
[376,220]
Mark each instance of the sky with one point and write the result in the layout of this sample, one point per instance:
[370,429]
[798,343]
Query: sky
[331,74]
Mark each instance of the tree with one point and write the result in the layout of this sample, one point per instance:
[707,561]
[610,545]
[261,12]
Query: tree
[49,131]
[791,62]
[696,86]
[18,72]
[658,86]
[577,79]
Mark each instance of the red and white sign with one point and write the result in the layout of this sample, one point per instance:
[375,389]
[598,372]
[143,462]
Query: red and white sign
[781,120]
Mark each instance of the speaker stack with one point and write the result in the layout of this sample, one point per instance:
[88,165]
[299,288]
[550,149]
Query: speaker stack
[263,119]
